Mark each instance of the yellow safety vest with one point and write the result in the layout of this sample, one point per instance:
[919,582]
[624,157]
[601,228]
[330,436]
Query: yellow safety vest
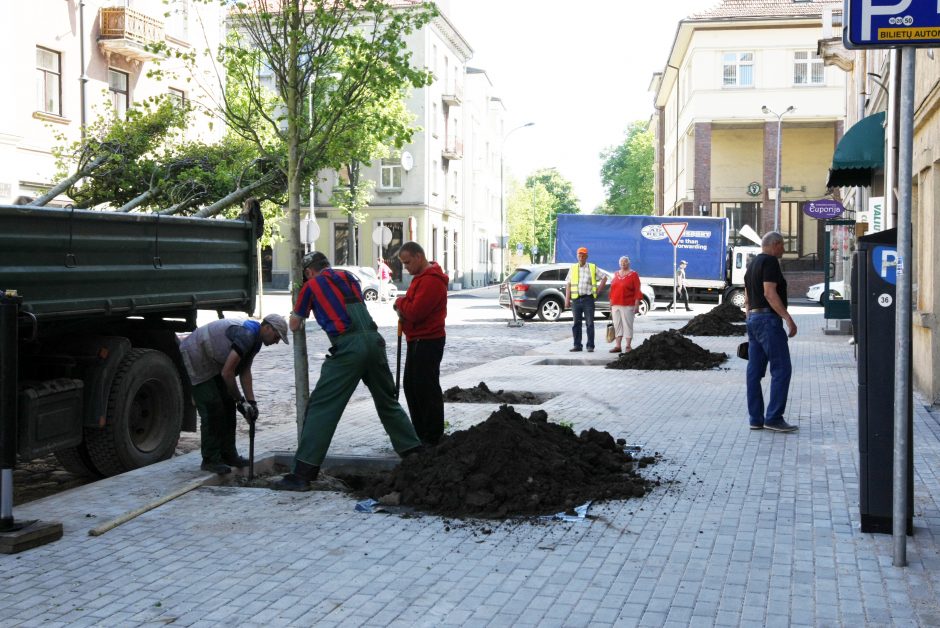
[574,281]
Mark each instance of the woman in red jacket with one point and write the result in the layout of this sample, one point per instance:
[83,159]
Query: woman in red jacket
[422,312]
[625,295]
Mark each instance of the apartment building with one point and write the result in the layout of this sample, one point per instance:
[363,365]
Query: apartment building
[441,190]
[735,75]
[68,62]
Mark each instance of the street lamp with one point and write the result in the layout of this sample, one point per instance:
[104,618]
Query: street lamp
[766,109]
[502,198]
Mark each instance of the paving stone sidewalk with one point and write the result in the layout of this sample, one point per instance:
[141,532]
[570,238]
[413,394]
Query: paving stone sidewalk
[747,528]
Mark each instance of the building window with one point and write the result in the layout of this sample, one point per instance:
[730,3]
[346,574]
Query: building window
[790,226]
[434,243]
[48,81]
[434,60]
[808,68]
[738,69]
[435,173]
[738,215]
[120,98]
[434,119]
[391,173]
[178,97]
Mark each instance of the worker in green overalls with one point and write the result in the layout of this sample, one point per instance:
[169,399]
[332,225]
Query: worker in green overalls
[357,353]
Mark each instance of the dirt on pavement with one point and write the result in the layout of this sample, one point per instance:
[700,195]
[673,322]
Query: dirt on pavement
[482,394]
[669,351]
[722,320]
[510,466]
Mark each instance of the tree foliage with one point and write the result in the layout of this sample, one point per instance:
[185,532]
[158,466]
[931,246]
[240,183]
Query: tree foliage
[627,173]
[533,209]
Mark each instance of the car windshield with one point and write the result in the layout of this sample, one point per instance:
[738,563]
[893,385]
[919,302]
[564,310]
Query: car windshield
[518,275]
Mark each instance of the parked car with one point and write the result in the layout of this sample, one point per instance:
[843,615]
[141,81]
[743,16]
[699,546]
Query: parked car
[539,289]
[836,291]
[369,280]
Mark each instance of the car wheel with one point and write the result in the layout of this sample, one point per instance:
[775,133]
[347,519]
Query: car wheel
[370,295]
[526,316]
[550,310]
[643,308]
[736,298]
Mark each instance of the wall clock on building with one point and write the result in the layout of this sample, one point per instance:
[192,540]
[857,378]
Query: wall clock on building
[754,188]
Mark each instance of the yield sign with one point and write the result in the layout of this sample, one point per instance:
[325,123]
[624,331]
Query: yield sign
[674,230]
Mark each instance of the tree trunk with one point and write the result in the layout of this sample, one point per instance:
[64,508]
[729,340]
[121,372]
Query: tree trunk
[351,220]
[235,197]
[294,114]
[65,184]
[134,202]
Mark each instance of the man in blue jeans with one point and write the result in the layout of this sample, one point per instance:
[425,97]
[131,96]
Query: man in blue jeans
[580,294]
[765,298]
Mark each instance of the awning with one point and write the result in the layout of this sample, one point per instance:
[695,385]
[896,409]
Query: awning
[860,152]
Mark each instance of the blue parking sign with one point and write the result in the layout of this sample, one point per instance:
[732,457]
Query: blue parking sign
[891,23]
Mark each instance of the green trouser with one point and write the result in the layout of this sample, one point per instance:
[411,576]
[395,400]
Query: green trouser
[217,420]
[358,354]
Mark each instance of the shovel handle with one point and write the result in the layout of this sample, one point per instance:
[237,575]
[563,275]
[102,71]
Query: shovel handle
[398,364]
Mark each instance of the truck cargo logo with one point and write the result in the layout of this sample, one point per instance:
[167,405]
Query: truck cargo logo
[653,232]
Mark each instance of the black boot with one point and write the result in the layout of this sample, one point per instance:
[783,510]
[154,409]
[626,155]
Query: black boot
[235,461]
[215,467]
[413,451]
[300,479]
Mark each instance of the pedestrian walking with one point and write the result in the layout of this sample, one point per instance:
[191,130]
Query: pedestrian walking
[357,354]
[625,296]
[214,356]
[682,287]
[765,294]
[422,311]
[384,271]
[580,295]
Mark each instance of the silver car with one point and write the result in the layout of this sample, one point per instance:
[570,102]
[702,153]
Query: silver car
[369,281]
[539,289]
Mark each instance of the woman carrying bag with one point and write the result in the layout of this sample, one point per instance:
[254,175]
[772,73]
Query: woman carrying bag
[625,295]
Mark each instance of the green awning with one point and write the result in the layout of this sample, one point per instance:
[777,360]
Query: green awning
[860,152]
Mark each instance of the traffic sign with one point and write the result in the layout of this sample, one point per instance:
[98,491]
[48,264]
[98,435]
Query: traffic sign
[674,230]
[382,235]
[875,24]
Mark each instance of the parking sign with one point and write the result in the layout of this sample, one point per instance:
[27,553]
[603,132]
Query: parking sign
[891,23]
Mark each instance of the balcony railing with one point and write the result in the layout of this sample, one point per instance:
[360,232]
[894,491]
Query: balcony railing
[453,149]
[453,95]
[127,32]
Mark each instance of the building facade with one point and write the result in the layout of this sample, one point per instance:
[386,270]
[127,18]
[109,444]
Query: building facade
[77,60]
[734,76]
[441,190]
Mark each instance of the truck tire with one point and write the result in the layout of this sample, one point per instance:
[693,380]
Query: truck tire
[145,410]
[550,310]
[76,460]
[735,297]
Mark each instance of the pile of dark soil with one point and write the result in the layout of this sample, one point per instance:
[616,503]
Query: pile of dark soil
[513,466]
[669,351]
[728,312]
[719,321]
[482,394]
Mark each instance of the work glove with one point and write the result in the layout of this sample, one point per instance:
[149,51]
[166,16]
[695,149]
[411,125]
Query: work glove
[248,409]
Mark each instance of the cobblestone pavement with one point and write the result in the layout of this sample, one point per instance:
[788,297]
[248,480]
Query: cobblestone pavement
[748,527]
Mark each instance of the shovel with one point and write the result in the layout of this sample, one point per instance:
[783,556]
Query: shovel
[514,322]
[398,364]
[251,450]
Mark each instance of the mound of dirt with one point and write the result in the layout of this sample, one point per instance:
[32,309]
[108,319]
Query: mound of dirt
[728,312]
[482,394]
[708,325]
[510,466]
[669,351]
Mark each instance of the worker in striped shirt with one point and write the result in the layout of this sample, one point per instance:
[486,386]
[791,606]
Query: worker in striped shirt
[357,354]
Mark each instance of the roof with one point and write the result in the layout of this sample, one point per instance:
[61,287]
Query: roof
[766,8]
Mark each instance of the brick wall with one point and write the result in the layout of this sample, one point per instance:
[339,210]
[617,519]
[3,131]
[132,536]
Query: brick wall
[799,281]
[769,175]
[703,167]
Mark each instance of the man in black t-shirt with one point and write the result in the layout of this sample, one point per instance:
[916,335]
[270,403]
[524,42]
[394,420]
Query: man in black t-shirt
[765,297]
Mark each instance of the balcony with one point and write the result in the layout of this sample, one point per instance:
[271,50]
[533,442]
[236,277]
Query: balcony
[453,95]
[128,33]
[453,149]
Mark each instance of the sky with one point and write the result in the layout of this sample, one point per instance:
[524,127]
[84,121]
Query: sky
[579,70]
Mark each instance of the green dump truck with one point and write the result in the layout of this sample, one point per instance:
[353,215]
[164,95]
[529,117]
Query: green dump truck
[101,297]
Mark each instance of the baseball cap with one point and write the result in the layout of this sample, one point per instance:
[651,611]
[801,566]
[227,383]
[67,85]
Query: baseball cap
[316,259]
[582,249]
[279,324]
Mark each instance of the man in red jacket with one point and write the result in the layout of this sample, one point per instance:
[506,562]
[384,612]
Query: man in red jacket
[422,312]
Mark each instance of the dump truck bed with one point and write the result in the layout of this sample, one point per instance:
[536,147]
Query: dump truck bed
[68,264]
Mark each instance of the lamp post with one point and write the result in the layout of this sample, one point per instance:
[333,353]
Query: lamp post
[766,109]
[502,199]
